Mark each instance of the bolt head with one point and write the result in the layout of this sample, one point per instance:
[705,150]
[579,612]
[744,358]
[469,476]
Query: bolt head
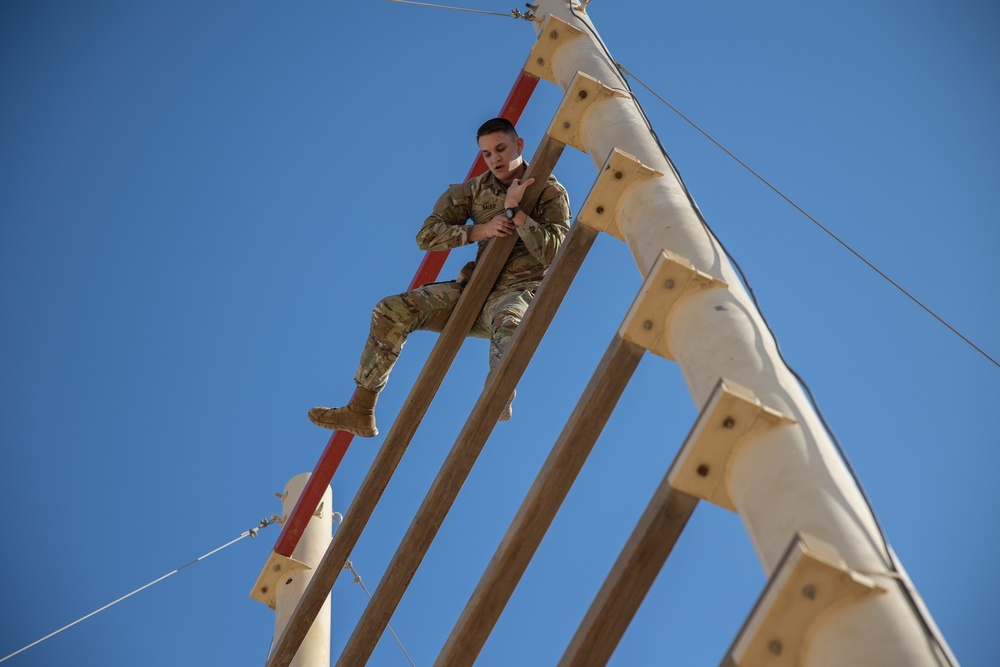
[566,125]
[582,94]
[729,422]
[600,210]
[809,591]
[647,325]
[774,646]
[554,34]
[540,61]
[703,470]
[669,284]
[618,175]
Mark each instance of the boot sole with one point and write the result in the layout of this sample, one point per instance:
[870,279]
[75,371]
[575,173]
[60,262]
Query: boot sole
[360,432]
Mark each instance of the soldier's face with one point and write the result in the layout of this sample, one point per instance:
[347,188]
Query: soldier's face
[503,155]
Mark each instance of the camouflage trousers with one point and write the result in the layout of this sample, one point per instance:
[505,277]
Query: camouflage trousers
[428,308]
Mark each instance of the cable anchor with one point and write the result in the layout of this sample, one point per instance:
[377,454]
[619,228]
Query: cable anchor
[528,15]
[264,523]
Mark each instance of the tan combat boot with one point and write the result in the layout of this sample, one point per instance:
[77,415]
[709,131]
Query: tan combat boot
[357,417]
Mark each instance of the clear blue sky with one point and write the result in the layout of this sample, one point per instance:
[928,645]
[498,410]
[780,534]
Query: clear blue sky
[200,203]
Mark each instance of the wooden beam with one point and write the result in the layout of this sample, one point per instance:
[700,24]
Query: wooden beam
[540,506]
[630,579]
[468,445]
[488,269]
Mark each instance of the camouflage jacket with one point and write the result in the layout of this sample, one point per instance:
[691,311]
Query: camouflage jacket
[481,198]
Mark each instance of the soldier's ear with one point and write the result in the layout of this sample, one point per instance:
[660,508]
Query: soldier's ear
[520,145]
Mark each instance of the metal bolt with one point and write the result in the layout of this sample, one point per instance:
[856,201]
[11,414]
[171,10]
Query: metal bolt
[647,325]
[582,94]
[774,646]
[264,589]
[540,61]
[554,35]
[669,284]
[809,591]
[618,175]
[600,210]
[566,125]
[289,581]
[703,470]
[729,422]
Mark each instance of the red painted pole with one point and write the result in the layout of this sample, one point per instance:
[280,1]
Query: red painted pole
[313,492]
[427,272]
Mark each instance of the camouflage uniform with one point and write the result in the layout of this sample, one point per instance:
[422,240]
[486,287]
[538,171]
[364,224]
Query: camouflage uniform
[427,308]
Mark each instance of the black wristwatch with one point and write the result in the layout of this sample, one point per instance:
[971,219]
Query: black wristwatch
[511,212]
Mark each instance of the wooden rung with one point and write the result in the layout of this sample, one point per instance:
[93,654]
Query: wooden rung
[731,414]
[810,579]
[630,578]
[467,448]
[671,278]
[541,504]
[584,91]
[643,556]
[619,173]
[554,33]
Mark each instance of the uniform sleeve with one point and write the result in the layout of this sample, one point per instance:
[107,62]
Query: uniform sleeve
[445,227]
[544,230]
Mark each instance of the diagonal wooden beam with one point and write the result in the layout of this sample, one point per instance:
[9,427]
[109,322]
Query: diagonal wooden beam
[430,266]
[391,453]
[488,269]
[540,506]
[468,445]
[630,578]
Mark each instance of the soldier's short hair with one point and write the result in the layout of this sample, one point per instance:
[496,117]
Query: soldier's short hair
[496,125]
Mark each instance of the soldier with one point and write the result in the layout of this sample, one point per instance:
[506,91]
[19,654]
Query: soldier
[491,201]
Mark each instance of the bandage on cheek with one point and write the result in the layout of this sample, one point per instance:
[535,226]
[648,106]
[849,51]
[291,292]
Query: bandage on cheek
[515,163]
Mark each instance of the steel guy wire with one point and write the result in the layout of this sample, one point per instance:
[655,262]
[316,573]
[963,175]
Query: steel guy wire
[514,13]
[264,523]
[357,579]
[812,219]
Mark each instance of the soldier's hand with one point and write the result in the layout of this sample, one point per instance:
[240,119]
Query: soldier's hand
[499,225]
[516,191]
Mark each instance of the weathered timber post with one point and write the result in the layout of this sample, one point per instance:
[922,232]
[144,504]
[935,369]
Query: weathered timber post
[787,482]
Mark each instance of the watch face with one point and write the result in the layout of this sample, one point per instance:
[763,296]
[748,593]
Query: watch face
[510,213]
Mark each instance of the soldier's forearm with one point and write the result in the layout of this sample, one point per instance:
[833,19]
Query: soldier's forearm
[476,233]
[442,236]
